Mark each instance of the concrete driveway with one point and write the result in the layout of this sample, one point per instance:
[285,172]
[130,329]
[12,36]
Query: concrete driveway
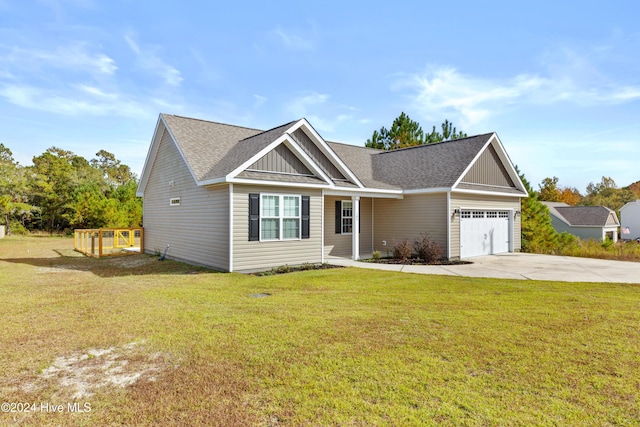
[522,266]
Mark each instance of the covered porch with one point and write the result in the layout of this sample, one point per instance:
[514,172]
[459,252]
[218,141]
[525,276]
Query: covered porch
[349,223]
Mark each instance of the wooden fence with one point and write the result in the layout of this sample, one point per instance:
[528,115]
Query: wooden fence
[109,241]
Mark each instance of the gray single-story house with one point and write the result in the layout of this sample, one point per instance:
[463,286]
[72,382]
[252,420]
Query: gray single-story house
[630,220]
[586,222]
[240,199]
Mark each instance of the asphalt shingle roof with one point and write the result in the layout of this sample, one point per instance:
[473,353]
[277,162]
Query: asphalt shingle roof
[588,216]
[213,150]
[428,166]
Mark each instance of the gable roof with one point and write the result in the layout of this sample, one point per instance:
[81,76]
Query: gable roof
[217,152]
[583,216]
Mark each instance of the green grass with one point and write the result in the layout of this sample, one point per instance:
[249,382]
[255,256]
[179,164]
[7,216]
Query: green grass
[328,347]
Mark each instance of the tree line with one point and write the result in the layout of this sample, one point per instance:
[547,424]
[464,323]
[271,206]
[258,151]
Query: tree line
[62,191]
[603,193]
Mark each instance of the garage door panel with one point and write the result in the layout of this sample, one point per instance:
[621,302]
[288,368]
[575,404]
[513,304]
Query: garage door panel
[483,233]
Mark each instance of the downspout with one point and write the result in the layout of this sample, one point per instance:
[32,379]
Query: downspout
[448,224]
[230,227]
[321,226]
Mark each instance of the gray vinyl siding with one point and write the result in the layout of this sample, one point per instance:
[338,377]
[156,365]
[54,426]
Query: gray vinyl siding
[255,255]
[399,219]
[489,170]
[584,233]
[318,156]
[483,201]
[340,244]
[197,229]
[281,160]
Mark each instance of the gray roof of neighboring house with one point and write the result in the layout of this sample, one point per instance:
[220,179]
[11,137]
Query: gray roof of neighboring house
[586,216]
[213,150]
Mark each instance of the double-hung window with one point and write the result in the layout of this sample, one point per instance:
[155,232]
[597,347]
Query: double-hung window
[279,217]
[347,217]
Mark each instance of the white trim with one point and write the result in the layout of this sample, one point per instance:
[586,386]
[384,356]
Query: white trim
[276,183]
[364,192]
[281,217]
[151,153]
[306,175]
[290,143]
[427,190]
[321,224]
[342,232]
[326,150]
[504,157]
[355,227]
[172,201]
[449,225]
[487,193]
[308,161]
[231,227]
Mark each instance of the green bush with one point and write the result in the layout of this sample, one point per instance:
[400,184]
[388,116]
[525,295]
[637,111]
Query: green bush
[17,229]
[376,255]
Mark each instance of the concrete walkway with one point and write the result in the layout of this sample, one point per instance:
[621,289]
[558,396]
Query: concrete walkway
[521,266]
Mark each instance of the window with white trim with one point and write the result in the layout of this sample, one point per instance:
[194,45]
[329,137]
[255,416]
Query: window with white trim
[347,217]
[279,217]
[174,201]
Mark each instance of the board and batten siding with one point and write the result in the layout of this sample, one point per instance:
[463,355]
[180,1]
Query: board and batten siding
[256,255]
[399,219]
[316,154]
[489,170]
[340,244]
[196,230]
[282,160]
[483,202]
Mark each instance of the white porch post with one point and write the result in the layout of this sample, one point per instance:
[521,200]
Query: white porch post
[355,232]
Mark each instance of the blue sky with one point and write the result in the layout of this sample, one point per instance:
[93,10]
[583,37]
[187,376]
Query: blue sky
[558,81]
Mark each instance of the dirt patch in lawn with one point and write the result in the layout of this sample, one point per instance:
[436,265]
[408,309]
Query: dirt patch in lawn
[81,374]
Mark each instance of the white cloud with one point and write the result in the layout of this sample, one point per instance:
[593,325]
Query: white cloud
[293,41]
[444,91]
[84,100]
[259,101]
[149,60]
[71,57]
[319,111]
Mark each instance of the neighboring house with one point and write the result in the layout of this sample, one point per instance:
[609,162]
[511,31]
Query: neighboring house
[630,220]
[586,222]
[240,199]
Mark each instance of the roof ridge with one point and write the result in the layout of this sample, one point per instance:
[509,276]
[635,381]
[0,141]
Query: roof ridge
[211,121]
[355,146]
[434,143]
[269,130]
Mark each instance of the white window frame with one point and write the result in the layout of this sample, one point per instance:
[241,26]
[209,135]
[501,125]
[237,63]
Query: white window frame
[281,217]
[343,217]
[174,201]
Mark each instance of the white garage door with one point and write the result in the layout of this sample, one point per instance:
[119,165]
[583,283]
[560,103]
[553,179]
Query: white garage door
[483,232]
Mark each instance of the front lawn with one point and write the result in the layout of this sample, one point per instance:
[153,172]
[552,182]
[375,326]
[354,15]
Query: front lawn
[145,342]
